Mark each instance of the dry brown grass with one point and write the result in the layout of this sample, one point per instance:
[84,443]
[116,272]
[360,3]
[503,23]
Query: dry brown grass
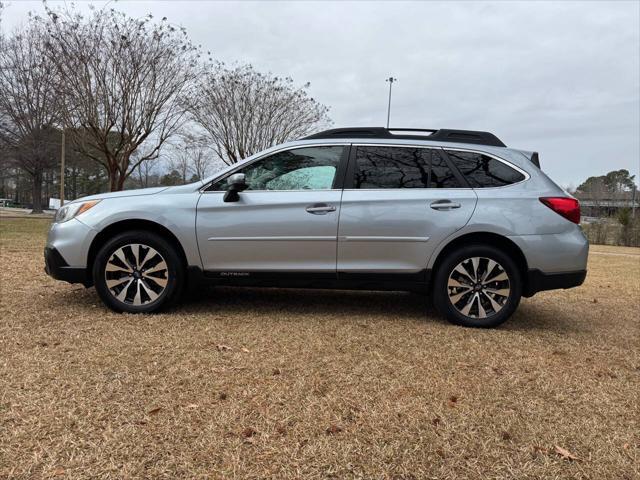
[314,384]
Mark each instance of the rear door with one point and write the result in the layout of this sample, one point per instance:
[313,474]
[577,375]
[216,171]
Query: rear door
[399,203]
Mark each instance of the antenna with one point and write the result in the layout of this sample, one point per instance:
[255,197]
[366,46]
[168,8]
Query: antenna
[390,80]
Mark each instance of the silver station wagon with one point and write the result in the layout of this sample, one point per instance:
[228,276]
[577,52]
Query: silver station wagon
[453,214]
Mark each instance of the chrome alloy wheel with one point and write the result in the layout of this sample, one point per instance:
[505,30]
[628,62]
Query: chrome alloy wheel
[136,274]
[478,287]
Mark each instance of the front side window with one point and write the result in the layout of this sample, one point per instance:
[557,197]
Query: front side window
[482,171]
[401,167]
[309,168]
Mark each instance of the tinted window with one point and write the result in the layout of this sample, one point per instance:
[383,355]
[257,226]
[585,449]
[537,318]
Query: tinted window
[441,174]
[401,167]
[312,168]
[392,167]
[484,171]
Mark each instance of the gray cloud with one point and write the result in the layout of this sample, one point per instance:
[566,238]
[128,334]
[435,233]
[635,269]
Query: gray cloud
[560,78]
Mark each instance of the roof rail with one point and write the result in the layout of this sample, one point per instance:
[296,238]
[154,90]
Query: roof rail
[442,135]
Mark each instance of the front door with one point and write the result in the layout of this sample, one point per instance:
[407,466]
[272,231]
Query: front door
[399,203]
[285,221]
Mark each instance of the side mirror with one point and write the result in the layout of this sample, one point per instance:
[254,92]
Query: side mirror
[235,184]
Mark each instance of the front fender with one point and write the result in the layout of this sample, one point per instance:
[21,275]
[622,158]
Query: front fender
[174,211]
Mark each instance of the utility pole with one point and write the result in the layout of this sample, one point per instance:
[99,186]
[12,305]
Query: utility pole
[390,80]
[62,170]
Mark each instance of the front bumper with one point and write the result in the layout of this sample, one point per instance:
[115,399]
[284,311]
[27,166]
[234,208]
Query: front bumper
[538,281]
[67,250]
[56,267]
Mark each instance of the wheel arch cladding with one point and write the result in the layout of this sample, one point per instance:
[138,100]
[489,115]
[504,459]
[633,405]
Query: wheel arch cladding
[128,225]
[485,238]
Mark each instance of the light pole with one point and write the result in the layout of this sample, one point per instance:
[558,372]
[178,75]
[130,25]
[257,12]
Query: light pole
[390,80]
[62,170]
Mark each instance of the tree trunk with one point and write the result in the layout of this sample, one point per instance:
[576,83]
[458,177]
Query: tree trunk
[116,175]
[121,179]
[37,192]
[113,181]
[48,179]
[74,183]
[116,179]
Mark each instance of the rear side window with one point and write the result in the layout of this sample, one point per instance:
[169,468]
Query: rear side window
[482,171]
[441,174]
[401,167]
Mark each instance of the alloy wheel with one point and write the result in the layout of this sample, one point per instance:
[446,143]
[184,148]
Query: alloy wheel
[136,274]
[478,287]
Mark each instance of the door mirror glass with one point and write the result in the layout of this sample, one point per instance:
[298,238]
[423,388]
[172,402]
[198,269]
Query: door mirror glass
[235,184]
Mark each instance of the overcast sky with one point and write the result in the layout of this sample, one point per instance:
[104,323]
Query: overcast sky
[559,78]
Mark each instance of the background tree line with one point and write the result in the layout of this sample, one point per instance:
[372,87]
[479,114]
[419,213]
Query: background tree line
[610,204]
[139,104]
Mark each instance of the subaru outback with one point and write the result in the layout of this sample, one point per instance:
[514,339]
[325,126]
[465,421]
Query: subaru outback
[454,214]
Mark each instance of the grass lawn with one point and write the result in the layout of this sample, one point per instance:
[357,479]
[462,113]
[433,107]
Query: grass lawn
[261,383]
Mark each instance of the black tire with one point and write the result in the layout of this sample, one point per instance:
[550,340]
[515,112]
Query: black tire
[153,283]
[487,297]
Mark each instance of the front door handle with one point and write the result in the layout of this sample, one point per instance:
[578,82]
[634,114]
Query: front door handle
[444,205]
[320,209]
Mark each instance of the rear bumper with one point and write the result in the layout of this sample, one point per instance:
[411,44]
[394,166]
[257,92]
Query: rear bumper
[538,281]
[56,267]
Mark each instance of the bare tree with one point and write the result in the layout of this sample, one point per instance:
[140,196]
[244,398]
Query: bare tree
[201,162]
[118,80]
[244,111]
[180,161]
[145,172]
[27,106]
[191,156]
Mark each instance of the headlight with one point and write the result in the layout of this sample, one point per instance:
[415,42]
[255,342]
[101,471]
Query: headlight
[74,209]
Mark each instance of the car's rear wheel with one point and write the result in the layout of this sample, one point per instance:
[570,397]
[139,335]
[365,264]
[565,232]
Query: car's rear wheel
[477,286]
[138,272]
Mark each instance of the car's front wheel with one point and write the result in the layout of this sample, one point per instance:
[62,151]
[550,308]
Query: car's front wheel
[477,286]
[138,272]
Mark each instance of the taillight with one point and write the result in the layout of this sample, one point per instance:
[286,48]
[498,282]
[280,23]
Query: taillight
[569,208]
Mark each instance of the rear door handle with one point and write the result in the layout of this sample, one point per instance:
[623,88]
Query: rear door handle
[444,205]
[320,209]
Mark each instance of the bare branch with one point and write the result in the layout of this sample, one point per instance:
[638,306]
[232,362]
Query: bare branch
[119,80]
[27,105]
[244,111]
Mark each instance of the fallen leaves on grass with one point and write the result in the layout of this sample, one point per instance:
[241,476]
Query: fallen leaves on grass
[564,453]
[249,432]
[78,407]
